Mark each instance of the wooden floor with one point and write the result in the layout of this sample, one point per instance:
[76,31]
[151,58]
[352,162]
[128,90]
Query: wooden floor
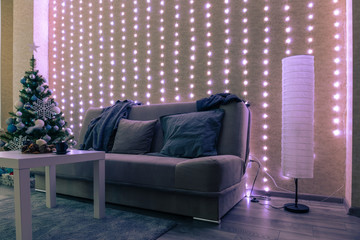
[248,220]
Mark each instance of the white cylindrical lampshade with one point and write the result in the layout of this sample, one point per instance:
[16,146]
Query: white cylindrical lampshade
[297,142]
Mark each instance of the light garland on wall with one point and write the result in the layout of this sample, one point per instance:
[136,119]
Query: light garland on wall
[62,58]
[176,50]
[72,70]
[112,51]
[123,47]
[172,51]
[337,73]
[265,93]
[288,28]
[227,43]
[310,18]
[208,47]
[245,50]
[81,66]
[148,52]
[192,49]
[162,52]
[55,47]
[101,54]
[90,55]
[135,48]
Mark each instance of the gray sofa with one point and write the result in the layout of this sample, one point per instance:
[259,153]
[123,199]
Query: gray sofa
[203,188]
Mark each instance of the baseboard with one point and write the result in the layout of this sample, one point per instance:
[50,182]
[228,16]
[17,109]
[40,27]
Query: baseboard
[310,197]
[354,211]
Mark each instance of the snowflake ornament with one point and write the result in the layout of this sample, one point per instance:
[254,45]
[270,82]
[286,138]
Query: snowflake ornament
[16,143]
[43,109]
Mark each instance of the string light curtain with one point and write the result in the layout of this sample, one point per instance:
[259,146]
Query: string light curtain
[183,50]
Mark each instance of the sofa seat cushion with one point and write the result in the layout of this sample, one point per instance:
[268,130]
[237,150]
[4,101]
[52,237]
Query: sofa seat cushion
[209,174]
[145,170]
[203,174]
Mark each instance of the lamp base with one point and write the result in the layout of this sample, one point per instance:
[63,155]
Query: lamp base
[296,208]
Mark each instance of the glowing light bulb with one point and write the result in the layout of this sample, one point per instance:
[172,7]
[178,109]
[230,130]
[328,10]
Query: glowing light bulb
[336,132]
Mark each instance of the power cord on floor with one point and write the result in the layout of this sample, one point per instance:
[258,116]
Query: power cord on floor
[257,198]
[253,198]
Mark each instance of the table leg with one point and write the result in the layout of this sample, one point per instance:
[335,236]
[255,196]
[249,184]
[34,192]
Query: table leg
[99,189]
[50,186]
[22,199]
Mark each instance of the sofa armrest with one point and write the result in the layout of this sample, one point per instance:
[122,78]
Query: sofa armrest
[209,174]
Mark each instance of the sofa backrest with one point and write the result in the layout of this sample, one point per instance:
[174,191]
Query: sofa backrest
[233,139]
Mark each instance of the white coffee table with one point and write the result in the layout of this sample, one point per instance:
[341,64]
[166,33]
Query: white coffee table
[21,163]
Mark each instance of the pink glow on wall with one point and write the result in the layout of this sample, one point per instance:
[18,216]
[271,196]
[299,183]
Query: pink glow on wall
[41,37]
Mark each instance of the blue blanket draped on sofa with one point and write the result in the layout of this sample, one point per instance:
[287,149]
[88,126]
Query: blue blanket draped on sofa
[214,101]
[101,128]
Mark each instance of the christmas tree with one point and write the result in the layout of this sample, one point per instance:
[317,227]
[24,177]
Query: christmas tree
[37,118]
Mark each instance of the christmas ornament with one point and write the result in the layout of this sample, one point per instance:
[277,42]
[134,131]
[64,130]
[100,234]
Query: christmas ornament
[56,110]
[28,90]
[19,104]
[43,109]
[32,76]
[69,131]
[19,119]
[20,125]
[34,98]
[62,122]
[17,143]
[48,127]
[56,128]
[9,121]
[23,81]
[27,106]
[40,89]
[39,123]
[40,142]
[47,138]
[11,128]
[19,114]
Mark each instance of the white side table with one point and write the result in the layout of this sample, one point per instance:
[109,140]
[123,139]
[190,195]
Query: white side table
[21,163]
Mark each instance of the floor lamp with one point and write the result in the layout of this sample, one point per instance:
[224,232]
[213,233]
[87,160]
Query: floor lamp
[297,140]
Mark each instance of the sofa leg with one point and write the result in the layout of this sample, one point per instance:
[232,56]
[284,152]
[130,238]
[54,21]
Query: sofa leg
[207,220]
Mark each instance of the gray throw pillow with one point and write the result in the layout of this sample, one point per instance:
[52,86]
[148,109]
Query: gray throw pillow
[191,135]
[134,137]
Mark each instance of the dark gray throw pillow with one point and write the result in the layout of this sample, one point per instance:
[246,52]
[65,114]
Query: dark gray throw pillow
[134,137]
[192,134]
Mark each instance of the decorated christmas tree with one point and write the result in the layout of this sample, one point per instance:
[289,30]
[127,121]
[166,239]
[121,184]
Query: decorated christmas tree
[37,118]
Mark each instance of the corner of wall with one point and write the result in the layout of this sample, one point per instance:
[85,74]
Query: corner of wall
[23,12]
[6,59]
[41,37]
[349,104]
